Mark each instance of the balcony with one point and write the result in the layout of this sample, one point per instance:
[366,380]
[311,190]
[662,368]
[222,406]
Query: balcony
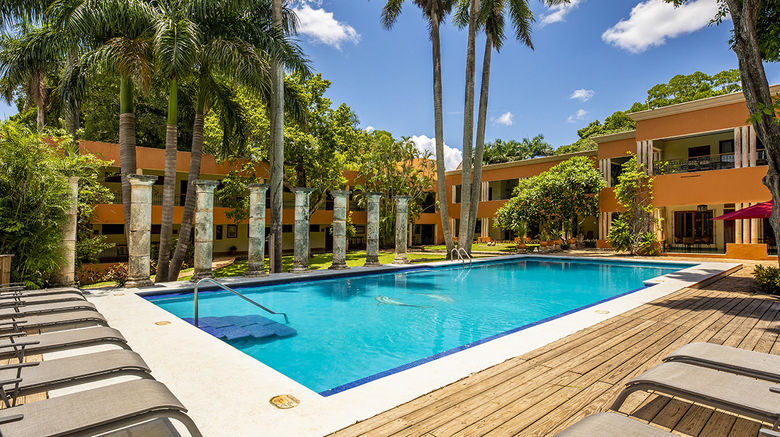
[702,163]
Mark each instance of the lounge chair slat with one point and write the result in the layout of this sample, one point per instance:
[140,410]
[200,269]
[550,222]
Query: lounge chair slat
[735,393]
[611,424]
[67,339]
[98,410]
[62,372]
[45,308]
[58,319]
[729,359]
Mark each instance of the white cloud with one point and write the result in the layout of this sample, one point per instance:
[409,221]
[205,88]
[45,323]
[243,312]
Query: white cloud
[452,156]
[653,21]
[582,95]
[322,27]
[581,113]
[369,129]
[558,12]
[505,119]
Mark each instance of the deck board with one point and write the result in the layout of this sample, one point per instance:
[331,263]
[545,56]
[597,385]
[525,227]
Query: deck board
[545,390]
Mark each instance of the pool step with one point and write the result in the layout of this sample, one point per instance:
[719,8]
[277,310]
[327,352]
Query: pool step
[238,327]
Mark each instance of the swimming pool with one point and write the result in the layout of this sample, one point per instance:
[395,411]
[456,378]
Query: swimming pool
[351,330]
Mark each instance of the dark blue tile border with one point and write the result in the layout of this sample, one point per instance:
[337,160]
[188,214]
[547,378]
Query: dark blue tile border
[416,363]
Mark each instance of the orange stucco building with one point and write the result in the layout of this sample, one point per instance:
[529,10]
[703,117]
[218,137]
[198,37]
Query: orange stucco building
[704,157]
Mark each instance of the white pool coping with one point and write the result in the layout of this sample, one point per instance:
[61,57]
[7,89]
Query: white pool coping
[227,392]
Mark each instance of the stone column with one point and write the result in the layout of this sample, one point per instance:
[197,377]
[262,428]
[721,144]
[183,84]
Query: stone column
[301,249]
[401,228]
[140,230]
[66,275]
[256,251]
[372,229]
[204,229]
[339,229]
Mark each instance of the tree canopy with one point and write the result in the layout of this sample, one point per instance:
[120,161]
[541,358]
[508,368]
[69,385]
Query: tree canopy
[555,201]
[507,151]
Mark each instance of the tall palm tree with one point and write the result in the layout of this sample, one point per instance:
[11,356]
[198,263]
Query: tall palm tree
[435,12]
[27,59]
[472,8]
[237,45]
[176,43]
[491,19]
[277,148]
[120,33]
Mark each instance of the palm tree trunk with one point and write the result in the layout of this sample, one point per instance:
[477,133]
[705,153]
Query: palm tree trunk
[439,130]
[476,188]
[468,130]
[71,109]
[127,162]
[169,185]
[196,154]
[40,118]
[277,151]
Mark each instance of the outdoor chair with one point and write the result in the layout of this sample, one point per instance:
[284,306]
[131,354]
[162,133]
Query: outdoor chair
[16,324]
[23,309]
[5,299]
[729,359]
[17,344]
[95,411]
[613,424]
[22,379]
[735,393]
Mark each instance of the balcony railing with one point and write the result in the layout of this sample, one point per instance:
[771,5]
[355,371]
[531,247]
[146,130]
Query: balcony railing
[702,163]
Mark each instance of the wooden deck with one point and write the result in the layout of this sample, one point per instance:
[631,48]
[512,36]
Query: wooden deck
[548,389]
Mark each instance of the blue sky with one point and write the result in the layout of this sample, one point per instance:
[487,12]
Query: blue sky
[590,59]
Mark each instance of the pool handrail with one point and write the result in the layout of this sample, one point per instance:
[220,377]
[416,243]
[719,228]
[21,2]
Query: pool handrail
[226,288]
[460,251]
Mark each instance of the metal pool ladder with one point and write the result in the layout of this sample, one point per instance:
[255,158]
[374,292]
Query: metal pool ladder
[462,255]
[226,288]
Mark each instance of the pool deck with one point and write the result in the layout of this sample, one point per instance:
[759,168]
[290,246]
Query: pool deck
[543,391]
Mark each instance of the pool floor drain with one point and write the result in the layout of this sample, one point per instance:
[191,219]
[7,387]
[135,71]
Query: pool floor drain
[284,402]
[162,323]
[602,312]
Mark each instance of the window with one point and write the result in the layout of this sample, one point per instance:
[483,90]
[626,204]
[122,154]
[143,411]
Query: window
[693,227]
[287,228]
[218,232]
[616,167]
[698,152]
[428,203]
[726,146]
[113,229]
[457,193]
[156,229]
[314,228]
[232,231]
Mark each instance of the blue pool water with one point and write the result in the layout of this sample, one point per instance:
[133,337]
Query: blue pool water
[353,329]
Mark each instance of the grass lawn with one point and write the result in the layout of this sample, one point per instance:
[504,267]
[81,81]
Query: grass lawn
[499,247]
[323,261]
[316,262]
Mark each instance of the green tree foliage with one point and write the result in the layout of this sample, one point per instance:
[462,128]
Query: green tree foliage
[555,201]
[33,202]
[394,168]
[633,230]
[681,88]
[507,151]
[233,193]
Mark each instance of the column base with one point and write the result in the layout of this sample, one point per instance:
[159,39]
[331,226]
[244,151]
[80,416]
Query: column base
[372,264]
[256,274]
[400,260]
[138,283]
[338,267]
[300,269]
[203,275]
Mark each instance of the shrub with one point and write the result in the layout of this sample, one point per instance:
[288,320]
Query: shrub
[649,245]
[620,236]
[767,279]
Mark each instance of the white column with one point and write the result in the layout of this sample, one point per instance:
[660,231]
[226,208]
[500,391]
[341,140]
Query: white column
[401,228]
[485,227]
[753,152]
[737,226]
[737,148]
[140,231]
[339,229]
[301,248]
[204,229]
[256,248]
[754,224]
[372,229]
[640,152]
[745,146]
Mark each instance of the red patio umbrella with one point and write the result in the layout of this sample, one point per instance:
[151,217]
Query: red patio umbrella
[761,210]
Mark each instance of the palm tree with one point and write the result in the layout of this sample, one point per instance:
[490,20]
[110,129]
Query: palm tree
[236,48]
[176,42]
[491,19]
[435,12]
[29,59]
[277,148]
[120,35]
